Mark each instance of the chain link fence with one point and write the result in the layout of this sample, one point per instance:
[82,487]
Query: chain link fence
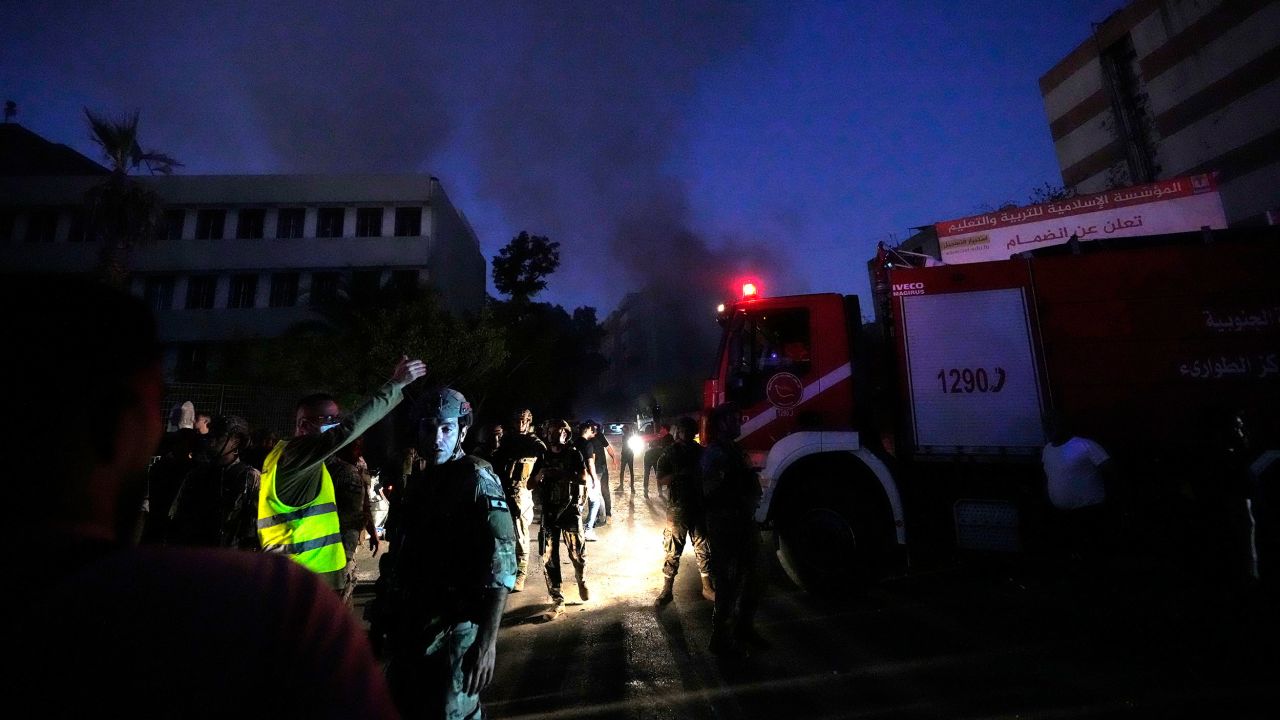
[262,407]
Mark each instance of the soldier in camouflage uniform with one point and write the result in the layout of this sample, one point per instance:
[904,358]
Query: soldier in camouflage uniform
[516,459]
[731,492]
[560,480]
[216,504]
[450,573]
[680,471]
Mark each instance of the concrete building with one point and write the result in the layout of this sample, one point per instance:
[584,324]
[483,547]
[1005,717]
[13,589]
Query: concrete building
[658,345]
[1165,88]
[631,345]
[245,257]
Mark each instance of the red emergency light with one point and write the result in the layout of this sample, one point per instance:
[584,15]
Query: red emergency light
[750,291]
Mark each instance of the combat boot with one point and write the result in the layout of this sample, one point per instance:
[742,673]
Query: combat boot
[708,592]
[582,591]
[520,578]
[664,597]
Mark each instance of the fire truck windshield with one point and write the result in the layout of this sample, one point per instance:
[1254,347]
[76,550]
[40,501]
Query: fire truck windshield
[761,345]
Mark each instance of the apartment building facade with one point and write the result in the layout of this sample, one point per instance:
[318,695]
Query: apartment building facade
[1166,88]
[246,257]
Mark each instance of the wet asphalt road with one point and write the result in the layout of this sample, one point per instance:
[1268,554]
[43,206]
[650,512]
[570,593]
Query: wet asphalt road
[970,641]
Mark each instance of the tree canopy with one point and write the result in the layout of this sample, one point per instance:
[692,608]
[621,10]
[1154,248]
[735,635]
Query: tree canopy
[118,139]
[521,267]
[353,345]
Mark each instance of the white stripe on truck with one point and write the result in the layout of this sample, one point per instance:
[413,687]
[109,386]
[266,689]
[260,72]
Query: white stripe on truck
[811,391]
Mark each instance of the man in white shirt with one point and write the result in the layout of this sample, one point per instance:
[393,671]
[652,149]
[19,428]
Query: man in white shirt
[1077,474]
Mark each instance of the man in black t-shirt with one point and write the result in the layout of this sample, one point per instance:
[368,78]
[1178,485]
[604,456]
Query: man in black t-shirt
[560,480]
[592,458]
[605,454]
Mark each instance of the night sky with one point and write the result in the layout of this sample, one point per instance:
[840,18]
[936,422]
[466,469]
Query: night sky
[656,142]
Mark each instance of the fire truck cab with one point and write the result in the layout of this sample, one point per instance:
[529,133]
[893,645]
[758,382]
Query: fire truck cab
[788,363]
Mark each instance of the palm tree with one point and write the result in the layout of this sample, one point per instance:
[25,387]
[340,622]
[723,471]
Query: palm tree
[120,211]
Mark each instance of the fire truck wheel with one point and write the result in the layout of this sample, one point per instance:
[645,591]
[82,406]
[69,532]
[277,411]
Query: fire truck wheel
[834,542]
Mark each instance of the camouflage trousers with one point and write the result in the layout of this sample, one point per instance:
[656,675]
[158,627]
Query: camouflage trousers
[350,541]
[428,682]
[549,539]
[522,516]
[681,525]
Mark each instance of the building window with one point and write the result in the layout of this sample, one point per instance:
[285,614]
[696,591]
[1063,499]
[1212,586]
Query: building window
[290,221]
[329,222]
[324,288]
[404,281]
[244,288]
[249,224]
[200,290]
[408,222]
[369,222]
[42,225]
[365,284]
[284,289]
[159,292]
[209,224]
[76,232]
[173,222]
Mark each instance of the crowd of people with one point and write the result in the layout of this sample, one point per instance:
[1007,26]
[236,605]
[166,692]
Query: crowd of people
[230,542]
[560,470]
[217,574]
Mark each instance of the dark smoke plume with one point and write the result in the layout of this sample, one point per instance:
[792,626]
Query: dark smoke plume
[569,110]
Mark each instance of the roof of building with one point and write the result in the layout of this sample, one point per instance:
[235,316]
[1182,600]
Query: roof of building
[26,154]
[304,189]
[238,190]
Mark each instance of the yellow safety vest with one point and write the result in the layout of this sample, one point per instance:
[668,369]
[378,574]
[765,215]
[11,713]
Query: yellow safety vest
[310,533]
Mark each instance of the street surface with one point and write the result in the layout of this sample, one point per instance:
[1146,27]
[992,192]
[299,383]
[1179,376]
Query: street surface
[981,639]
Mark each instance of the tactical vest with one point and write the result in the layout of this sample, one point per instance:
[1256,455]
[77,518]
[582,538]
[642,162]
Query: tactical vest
[561,482]
[438,504]
[310,533]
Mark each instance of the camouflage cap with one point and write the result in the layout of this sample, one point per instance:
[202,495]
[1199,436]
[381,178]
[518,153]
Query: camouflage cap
[523,414]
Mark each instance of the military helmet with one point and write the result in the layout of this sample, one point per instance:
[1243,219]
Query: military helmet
[689,426]
[445,404]
[230,426]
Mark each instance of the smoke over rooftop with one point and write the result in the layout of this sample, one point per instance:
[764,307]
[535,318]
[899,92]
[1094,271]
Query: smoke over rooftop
[563,115]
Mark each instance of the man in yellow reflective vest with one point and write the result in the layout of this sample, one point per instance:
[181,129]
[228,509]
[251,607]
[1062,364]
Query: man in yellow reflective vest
[296,511]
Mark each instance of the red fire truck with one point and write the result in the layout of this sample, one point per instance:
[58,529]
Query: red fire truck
[922,431]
